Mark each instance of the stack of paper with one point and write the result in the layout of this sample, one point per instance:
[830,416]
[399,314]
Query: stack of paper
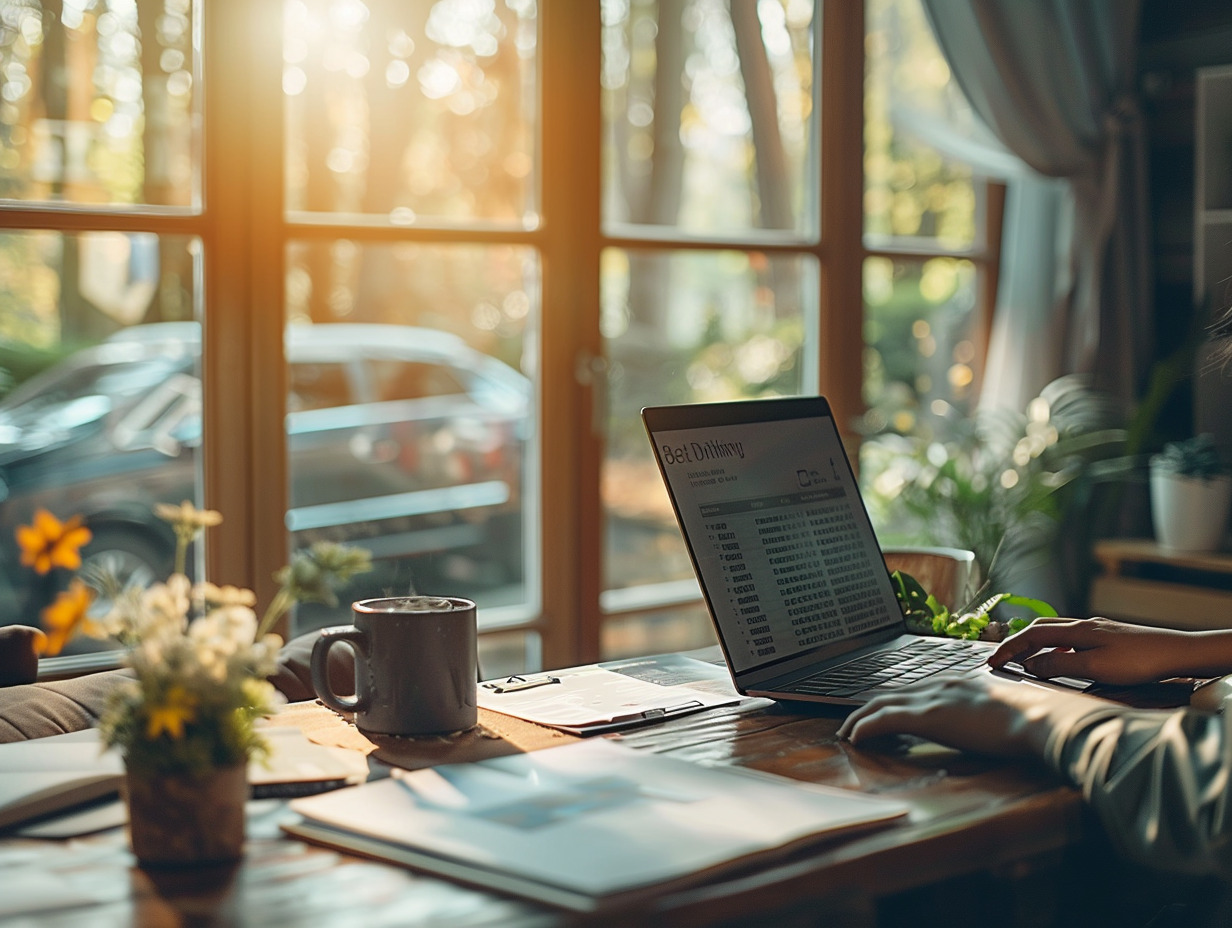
[581,826]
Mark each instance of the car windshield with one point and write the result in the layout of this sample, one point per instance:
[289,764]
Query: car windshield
[76,395]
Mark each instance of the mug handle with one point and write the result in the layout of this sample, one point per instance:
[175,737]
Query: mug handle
[320,667]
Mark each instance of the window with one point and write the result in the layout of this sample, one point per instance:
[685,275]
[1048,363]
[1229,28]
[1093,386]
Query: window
[931,232]
[427,260]
[318,385]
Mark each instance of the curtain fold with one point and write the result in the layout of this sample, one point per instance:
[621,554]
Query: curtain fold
[1054,81]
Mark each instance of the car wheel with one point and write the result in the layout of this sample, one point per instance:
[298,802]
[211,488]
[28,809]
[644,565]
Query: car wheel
[129,555]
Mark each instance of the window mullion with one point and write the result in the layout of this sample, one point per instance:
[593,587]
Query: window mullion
[842,210]
[244,449]
[570,445]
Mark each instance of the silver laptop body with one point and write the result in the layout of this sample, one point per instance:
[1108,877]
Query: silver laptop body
[785,554]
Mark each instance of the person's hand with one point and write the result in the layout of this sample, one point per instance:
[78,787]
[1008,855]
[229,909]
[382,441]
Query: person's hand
[973,713]
[1101,650]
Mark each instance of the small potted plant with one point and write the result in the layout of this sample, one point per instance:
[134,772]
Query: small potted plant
[1190,494]
[199,659]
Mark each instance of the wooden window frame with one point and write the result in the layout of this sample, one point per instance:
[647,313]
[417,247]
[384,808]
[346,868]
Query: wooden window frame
[245,230]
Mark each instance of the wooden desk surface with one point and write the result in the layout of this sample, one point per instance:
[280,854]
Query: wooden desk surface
[969,816]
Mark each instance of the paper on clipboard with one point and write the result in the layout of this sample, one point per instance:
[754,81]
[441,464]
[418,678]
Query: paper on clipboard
[591,699]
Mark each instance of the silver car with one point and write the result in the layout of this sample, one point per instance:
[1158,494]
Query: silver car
[404,440]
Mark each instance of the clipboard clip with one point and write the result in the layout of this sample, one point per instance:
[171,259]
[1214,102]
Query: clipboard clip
[657,713]
[516,683]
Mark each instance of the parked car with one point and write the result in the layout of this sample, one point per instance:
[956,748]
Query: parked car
[404,440]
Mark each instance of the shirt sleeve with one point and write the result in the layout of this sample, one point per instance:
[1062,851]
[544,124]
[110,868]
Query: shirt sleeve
[1158,780]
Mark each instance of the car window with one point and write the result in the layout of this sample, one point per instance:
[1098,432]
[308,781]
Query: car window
[497,387]
[69,393]
[318,385]
[409,380]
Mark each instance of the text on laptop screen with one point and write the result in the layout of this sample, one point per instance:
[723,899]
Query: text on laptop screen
[776,526]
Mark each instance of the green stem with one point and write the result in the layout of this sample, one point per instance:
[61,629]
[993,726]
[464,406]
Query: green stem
[277,608]
[181,550]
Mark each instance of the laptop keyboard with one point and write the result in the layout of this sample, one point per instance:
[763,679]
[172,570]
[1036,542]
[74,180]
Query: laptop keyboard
[915,661]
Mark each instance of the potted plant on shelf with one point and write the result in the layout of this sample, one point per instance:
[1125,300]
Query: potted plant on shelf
[1191,490]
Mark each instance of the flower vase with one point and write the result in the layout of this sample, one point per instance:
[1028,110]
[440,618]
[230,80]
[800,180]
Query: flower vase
[184,819]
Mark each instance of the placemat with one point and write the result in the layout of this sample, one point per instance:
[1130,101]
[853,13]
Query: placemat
[496,735]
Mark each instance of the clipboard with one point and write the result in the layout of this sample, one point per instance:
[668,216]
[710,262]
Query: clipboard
[595,699]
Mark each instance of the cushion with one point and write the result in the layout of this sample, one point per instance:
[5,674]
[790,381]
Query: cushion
[35,710]
[293,678]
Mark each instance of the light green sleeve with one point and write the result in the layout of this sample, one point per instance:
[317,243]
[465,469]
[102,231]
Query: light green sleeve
[1158,780]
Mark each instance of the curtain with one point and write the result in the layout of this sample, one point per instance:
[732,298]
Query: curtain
[1054,81]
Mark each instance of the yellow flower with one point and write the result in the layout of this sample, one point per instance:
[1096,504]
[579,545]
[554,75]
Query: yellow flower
[180,707]
[66,616]
[51,543]
[188,516]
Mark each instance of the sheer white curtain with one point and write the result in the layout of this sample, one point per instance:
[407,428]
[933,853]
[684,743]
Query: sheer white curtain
[1054,81]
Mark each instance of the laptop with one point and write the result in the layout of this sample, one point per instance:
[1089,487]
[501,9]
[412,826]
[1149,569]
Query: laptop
[786,557]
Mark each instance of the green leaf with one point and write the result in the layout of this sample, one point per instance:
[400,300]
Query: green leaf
[1038,606]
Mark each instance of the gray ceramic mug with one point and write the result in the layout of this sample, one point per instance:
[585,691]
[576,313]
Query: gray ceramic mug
[416,665]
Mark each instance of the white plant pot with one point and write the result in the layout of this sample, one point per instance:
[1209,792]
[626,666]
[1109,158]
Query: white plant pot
[1189,513]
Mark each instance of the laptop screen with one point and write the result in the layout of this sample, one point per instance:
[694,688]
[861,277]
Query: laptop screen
[774,522]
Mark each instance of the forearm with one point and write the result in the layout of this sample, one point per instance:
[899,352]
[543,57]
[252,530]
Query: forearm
[1200,654]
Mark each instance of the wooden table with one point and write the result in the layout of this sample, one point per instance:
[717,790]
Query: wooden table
[987,843]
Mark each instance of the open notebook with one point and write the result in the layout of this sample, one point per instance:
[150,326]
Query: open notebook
[585,826]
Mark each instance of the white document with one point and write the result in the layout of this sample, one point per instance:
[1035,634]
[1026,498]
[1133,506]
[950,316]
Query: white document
[592,698]
[591,819]
[294,759]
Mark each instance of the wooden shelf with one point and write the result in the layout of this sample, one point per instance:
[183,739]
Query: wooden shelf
[1142,583]
[1113,554]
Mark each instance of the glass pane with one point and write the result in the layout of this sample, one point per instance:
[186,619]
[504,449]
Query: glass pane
[709,113]
[98,102]
[913,110]
[919,332]
[451,88]
[919,371]
[502,654]
[100,416]
[688,327]
[410,421]
[680,629]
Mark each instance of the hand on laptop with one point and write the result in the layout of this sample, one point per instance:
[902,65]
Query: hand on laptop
[972,713]
[1114,652]
[982,713]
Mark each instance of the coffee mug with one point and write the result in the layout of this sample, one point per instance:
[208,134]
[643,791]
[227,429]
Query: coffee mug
[416,665]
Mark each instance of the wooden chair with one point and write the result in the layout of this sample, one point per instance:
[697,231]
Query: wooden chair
[950,574]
